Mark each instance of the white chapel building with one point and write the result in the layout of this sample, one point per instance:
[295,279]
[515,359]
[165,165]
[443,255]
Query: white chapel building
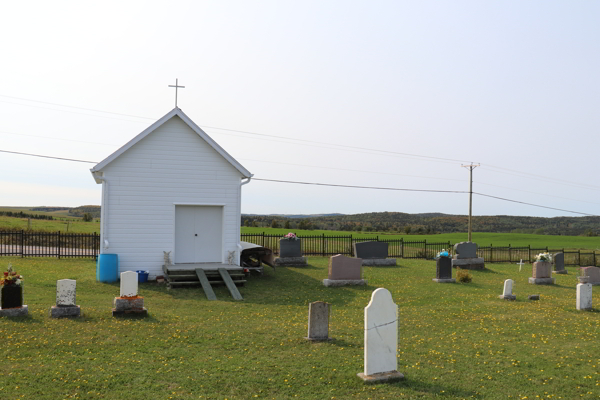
[171,188]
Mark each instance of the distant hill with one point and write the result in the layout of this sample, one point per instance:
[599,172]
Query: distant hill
[428,223]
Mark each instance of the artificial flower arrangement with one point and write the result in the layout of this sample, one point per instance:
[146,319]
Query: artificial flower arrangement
[291,236]
[11,278]
[443,253]
[543,257]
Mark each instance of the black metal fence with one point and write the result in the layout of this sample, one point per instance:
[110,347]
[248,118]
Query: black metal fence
[49,244]
[83,245]
[321,245]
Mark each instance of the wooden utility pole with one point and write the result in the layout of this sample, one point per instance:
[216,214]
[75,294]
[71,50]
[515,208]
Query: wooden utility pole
[471,168]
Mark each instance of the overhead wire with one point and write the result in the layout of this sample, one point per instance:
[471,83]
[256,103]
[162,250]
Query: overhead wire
[338,185]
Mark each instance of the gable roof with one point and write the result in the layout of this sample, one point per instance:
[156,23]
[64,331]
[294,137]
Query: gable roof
[174,112]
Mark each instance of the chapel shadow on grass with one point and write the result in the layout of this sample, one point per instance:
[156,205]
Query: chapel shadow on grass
[289,286]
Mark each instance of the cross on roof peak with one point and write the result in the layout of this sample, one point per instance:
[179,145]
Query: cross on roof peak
[176,86]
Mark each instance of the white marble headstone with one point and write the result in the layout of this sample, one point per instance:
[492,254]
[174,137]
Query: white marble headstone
[584,296]
[508,286]
[65,292]
[381,333]
[129,284]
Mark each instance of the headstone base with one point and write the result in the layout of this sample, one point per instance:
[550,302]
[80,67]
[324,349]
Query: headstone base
[379,262]
[381,377]
[65,311]
[534,297]
[344,282]
[128,303]
[290,261]
[446,280]
[14,312]
[507,297]
[541,281]
[469,263]
[562,271]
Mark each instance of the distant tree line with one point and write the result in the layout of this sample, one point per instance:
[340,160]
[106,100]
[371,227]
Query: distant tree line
[432,223]
[21,214]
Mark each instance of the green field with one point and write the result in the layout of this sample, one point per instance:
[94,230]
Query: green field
[481,238]
[455,341]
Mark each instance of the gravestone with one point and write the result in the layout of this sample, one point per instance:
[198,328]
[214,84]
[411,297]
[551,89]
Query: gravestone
[65,300]
[443,270]
[507,293]
[373,253]
[592,274]
[290,253]
[129,302]
[542,273]
[14,298]
[465,250]
[584,296]
[465,256]
[381,338]
[318,321]
[344,271]
[559,263]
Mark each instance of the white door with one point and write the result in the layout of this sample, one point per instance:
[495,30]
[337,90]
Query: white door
[198,234]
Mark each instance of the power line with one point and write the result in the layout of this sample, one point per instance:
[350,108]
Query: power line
[535,205]
[359,187]
[336,185]
[42,156]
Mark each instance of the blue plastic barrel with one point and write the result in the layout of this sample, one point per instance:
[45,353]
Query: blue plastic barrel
[142,276]
[107,268]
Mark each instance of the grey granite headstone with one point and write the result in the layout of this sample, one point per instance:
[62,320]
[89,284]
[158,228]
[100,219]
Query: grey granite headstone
[318,321]
[366,250]
[290,248]
[559,263]
[465,250]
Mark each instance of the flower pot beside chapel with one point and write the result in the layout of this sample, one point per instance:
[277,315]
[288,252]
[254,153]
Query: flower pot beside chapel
[11,294]
[290,251]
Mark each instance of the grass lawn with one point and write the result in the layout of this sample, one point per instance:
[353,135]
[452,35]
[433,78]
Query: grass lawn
[455,340]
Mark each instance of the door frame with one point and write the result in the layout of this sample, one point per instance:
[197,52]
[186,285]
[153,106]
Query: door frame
[173,230]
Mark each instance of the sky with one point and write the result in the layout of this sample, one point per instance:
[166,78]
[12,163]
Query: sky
[375,94]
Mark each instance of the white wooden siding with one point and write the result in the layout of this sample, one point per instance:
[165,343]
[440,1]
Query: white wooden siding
[170,166]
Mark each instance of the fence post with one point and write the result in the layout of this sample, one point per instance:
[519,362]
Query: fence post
[22,243]
[323,244]
[402,247]
[351,246]
[528,253]
[263,239]
[59,245]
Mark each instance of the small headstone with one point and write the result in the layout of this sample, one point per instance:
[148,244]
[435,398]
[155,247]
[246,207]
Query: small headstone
[65,292]
[465,250]
[65,300]
[542,273]
[318,321]
[559,263]
[507,293]
[593,274]
[129,284]
[584,296]
[534,297]
[344,271]
[443,270]
[381,338]
[373,253]
[129,302]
